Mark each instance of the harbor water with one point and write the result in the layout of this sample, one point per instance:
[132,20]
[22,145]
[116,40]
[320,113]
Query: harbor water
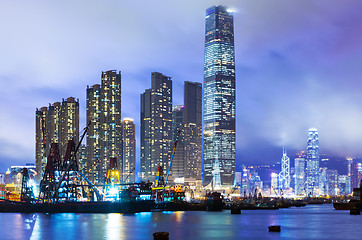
[310,222]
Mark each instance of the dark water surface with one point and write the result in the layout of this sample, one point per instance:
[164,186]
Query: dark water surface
[310,222]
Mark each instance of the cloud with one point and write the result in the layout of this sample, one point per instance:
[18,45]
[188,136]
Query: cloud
[297,65]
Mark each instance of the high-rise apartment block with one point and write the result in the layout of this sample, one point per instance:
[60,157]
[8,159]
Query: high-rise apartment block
[41,148]
[219,96]
[93,135]
[104,139]
[53,122]
[57,123]
[156,126]
[312,168]
[110,119]
[69,123]
[127,167]
[82,159]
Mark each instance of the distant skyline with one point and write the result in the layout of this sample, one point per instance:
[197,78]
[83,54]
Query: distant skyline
[297,67]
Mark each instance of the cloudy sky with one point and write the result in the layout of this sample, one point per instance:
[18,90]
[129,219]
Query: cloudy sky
[298,65]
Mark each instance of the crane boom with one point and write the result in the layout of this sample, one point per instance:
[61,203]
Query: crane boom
[173,153]
[96,191]
[68,166]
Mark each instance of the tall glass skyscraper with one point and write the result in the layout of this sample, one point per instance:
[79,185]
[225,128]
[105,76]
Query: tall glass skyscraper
[284,175]
[219,96]
[312,169]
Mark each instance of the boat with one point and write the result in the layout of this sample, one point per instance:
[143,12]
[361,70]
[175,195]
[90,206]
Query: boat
[347,205]
[354,203]
[16,206]
[214,201]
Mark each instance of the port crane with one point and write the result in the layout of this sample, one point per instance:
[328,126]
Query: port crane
[174,194]
[129,174]
[59,179]
[173,154]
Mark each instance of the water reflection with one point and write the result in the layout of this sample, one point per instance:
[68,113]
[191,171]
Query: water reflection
[115,226]
[320,222]
[179,216]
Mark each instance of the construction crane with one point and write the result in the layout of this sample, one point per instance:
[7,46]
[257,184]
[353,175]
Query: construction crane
[160,184]
[173,153]
[91,167]
[275,191]
[129,174]
[26,190]
[67,166]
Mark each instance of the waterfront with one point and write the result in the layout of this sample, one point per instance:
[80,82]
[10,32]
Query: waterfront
[310,222]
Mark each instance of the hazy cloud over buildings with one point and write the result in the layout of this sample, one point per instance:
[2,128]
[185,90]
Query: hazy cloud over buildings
[298,65]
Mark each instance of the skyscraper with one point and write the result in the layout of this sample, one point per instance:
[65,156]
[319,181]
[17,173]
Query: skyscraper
[312,169]
[93,134]
[219,96]
[53,123]
[69,123]
[129,151]
[104,138]
[284,175]
[193,130]
[156,126]
[41,148]
[146,133]
[82,159]
[299,175]
[57,123]
[110,130]
[178,162]
[332,182]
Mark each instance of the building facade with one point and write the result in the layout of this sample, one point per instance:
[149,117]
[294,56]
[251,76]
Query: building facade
[69,123]
[178,162]
[104,138]
[57,123]
[312,168]
[41,148]
[53,123]
[299,166]
[94,168]
[129,151]
[284,175]
[192,134]
[156,126]
[331,182]
[145,132]
[110,119]
[219,96]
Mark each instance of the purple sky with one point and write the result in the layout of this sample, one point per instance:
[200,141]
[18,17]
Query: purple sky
[298,65]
